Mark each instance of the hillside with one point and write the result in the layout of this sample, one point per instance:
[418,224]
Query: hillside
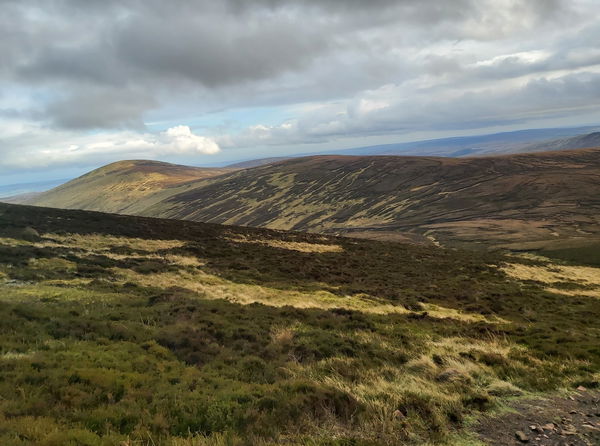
[21,198]
[129,330]
[507,200]
[574,142]
[257,162]
[532,140]
[122,186]
[544,200]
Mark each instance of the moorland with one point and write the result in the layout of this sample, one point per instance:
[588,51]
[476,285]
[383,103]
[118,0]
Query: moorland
[546,202]
[123,330]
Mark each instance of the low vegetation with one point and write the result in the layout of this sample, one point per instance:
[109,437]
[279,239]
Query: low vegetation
[136,331]
[545,201]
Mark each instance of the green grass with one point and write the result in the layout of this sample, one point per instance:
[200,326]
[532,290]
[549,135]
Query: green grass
[98,348]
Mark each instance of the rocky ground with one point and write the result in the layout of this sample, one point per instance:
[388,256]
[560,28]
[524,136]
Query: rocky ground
[570,421]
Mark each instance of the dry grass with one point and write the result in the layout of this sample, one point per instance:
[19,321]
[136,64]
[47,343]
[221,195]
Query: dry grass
[440,312]
[395,395]
[303,246]
[550,274]
[283,336]
[8,356]
[100,242]
[213,287]
[292,246]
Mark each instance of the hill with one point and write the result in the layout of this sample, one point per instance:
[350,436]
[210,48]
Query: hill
[122,186]
[21,198]
[574,142]
[130,330]
[521,141]
[544,200]
[491,144]
[517,201]
[257,162]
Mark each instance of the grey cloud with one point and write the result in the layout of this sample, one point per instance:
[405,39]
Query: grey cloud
[113,61]
[538,99]
[216,54]
[100,107]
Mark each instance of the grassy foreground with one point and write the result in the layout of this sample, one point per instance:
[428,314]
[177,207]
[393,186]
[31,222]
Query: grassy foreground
[135,331]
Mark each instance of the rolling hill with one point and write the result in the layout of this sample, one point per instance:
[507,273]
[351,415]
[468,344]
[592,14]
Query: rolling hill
[122,330]
[520,141]
[121,187]
[529,201]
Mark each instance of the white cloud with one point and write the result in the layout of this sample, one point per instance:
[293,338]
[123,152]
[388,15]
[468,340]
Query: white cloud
[181,140]
[37,147]
[523,57]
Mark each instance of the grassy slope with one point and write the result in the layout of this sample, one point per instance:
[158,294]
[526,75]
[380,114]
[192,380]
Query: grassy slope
[529,201]
[128,329]
[125,186]
[508,201]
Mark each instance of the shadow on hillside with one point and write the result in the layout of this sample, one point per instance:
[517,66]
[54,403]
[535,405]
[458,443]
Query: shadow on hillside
[396,273]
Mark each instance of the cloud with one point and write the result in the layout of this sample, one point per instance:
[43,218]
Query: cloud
[181,140]
[394,110]
[100,108]
[236,52]
[92,75]
[42,148]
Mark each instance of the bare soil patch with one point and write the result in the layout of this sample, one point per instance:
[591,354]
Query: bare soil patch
[555,421]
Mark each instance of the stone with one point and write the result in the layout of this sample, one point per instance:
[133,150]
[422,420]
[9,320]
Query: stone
[569,430]
[521,437]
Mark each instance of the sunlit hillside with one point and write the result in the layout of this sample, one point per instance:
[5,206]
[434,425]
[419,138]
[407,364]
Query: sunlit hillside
[546,201]
[128,330]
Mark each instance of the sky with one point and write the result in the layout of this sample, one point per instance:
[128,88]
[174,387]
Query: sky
[85,83]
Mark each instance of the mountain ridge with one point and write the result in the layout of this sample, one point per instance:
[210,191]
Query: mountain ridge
[538,198]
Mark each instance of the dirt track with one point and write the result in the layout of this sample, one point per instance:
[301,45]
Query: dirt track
[571,421]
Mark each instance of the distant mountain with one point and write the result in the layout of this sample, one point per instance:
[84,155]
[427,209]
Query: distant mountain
[497,143]
[21,198]
[521,141]
[124,187]
[513,201]
[12,190]
[575,142]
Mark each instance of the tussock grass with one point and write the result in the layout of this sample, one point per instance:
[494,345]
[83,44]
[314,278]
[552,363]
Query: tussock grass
[583,280]
[102,242]
[290,245]
[131,331]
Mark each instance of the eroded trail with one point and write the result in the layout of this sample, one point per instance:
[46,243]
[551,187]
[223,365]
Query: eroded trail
[557,421]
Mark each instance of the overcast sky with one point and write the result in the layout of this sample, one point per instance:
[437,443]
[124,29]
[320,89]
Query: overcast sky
[84,83]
